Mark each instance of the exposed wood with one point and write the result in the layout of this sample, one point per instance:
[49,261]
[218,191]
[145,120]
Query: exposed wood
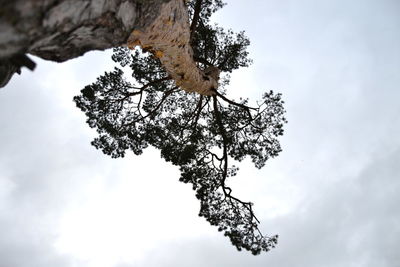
[168,38]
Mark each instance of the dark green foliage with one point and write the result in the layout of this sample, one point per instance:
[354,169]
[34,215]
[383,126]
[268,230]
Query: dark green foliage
[215,47]
[200,134]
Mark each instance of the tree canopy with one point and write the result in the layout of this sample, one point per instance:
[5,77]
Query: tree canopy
[199,133]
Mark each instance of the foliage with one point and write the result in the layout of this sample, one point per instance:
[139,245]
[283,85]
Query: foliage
[200,134]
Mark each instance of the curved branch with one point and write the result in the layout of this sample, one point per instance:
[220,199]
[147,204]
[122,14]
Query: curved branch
[218,119]
[247,108]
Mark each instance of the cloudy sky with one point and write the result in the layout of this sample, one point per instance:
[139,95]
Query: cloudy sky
[332,195]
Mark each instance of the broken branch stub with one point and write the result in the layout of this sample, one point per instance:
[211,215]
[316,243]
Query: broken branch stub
[168,38]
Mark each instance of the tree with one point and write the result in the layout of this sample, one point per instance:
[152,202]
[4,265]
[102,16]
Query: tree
[198,131]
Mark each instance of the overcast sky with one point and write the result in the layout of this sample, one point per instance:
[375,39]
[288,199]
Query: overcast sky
[332,195]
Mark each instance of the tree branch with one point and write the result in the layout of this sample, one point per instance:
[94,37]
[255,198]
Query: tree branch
[149,84]
[166,94]
[198,111]
[218,119]
[247,108]
[196,17]
[224,140]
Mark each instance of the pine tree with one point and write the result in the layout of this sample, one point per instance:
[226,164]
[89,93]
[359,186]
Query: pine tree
[198,133]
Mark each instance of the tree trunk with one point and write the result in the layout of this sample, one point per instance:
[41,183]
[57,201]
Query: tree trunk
[168,38]
[59,30]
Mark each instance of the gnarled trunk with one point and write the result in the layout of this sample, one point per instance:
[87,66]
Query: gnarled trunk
[59,30]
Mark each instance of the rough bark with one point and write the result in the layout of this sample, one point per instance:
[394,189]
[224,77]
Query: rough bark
[168,38]
[59,30]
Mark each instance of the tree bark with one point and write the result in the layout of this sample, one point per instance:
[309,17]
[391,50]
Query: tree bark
[168,38]
[59,30]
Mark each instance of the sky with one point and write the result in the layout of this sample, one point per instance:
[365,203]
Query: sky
[332,195]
